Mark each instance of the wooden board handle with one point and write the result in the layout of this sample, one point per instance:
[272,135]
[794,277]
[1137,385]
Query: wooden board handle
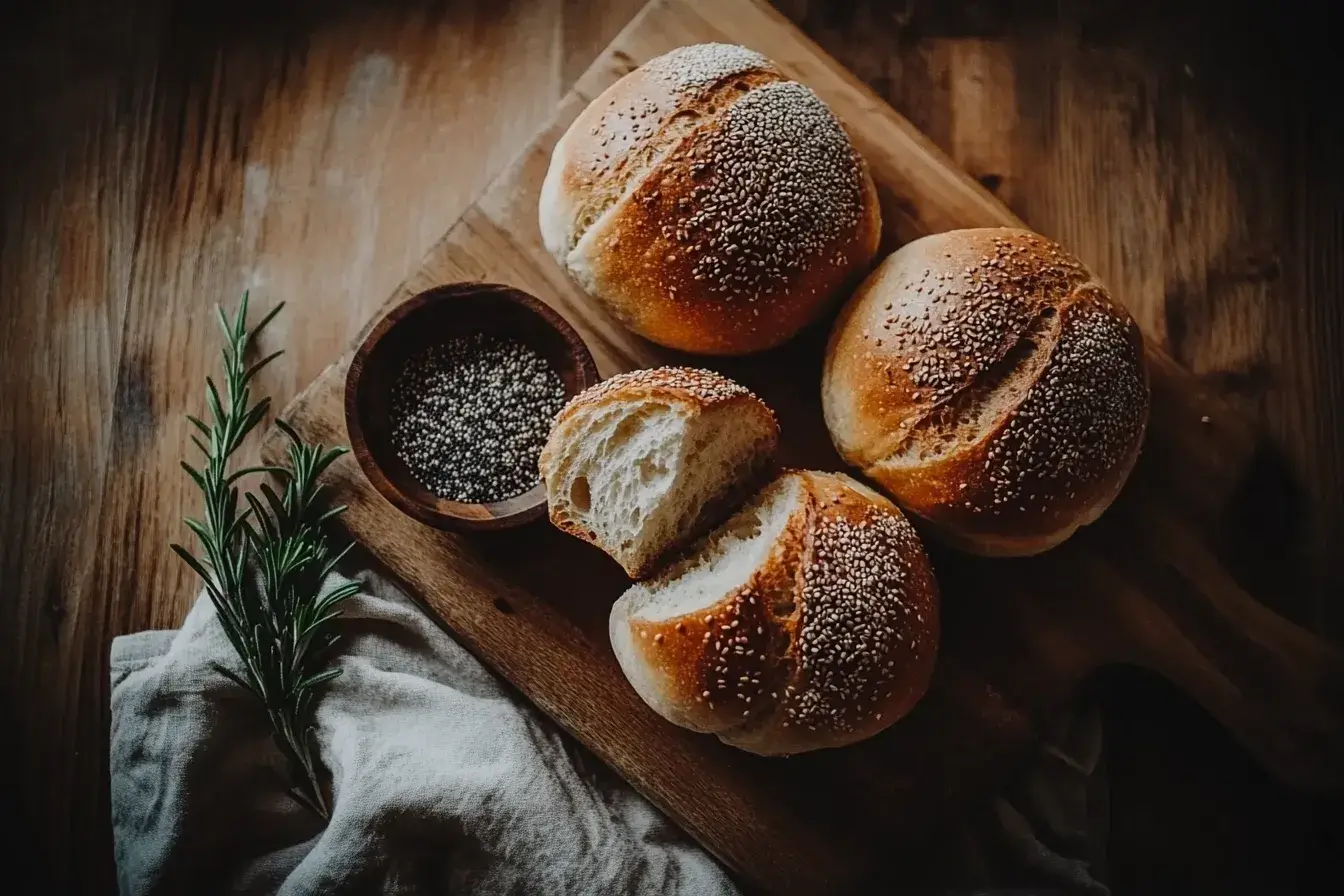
[1276,687]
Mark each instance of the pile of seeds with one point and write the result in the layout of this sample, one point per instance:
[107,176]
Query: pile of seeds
[470,416]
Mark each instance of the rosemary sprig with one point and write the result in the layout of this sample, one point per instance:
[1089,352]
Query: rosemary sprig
[263,564]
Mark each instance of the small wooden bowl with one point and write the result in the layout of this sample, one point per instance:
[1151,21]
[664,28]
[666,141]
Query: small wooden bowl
[432,317]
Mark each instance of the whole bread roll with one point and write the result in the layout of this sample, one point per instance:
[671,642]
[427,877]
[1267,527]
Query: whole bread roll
[647,461]
[989,383]
[808,620]
[710,203]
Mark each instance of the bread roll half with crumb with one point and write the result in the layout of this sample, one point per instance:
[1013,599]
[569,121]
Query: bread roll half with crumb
[647,461]
[988,382]
[807,620]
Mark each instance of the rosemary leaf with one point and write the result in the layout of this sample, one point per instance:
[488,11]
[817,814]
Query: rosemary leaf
[264,567]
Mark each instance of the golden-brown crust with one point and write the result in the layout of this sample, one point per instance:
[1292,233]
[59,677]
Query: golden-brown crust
[730,217]
[833,637]
[865,638]
[702,389]
[989,383]
[619,136]
[717,668]
[650,281]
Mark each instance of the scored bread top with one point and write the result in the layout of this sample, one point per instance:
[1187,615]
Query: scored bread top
[988,381]
[867,597]
[832,637]
[629,127]
[712,668]
[865,638]
[701,184]
[762,192]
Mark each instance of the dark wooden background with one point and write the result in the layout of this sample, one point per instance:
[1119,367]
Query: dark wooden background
[159,156]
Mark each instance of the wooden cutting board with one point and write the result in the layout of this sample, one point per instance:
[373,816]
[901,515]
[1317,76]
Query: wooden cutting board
[1150,584]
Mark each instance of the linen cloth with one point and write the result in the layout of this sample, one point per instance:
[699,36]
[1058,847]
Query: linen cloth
[444,781]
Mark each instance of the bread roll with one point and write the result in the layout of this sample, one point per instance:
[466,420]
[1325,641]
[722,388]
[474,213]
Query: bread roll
[647,461]
[989,383]
[710,203]
[808,620]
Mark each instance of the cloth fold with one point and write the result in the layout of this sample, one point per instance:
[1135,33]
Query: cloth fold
[443,781]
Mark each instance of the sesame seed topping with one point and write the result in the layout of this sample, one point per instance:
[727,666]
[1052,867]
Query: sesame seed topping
[1011,313]
[699,65]
[704,385]
[772,187]
[857,588]
[1080,418]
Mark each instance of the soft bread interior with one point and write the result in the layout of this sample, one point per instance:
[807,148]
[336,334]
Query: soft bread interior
[720,565]
[648,474]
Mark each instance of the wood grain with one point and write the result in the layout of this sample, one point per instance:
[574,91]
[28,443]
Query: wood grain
[180,154]
[158,156]
[1157,593]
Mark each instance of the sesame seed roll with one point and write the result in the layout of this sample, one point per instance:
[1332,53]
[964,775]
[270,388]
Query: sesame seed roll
[989,383]
[710,203]
[831,638]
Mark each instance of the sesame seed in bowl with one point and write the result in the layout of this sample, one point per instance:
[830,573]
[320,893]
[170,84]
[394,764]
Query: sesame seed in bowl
[449,399]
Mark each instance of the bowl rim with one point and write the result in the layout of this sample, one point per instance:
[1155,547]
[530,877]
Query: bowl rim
[476,517]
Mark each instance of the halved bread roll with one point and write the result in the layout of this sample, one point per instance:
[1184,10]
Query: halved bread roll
[808,620]
[648,461]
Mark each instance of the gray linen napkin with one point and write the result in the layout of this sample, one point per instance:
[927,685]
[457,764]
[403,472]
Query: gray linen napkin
[444,781]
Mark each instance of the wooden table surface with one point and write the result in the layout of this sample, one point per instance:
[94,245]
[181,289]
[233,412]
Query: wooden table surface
[157,157]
